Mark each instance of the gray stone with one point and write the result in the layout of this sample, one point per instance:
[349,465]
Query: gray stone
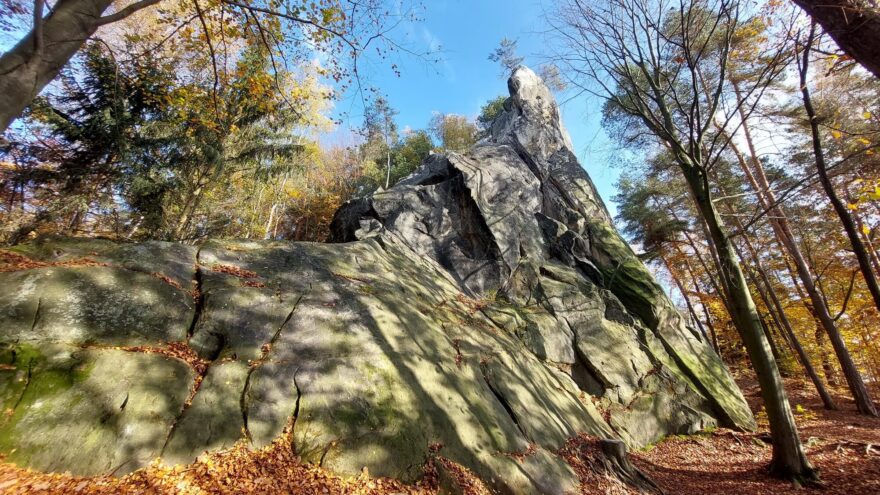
[214,419]
[90,304]
[90,411]
[484,304]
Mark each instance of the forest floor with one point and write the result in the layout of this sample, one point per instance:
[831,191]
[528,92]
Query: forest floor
[842,444]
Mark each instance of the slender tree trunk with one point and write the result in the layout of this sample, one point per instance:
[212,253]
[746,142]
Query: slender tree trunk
[707,314]
[803,357]
[687,299]
[768,293]
[819,334]
[785,326]
[869,244]
[716,284]
[762,294]
[827,367]
[789,458]
[849,225]
[850,371]
[388,167]
[268,233]
[38,58]
[783,233]
[189,208]
[697,288]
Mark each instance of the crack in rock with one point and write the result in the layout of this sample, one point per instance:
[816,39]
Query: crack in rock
[244,400]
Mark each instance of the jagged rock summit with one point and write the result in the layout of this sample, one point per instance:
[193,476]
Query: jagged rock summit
[484,306]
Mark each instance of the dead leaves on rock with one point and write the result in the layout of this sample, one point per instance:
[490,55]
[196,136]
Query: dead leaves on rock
[238,470]
[176,350]
[249,278]
[14,262]
[235,271]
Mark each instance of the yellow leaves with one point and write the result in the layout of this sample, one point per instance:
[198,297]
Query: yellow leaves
[331,14]
[836,134]
[867,192]
[866,115]
[866,230]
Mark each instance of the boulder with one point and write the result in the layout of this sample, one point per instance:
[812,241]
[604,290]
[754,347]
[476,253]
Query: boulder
[484,308]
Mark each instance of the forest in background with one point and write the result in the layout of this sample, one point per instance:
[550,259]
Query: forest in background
[146,134]
[140,139]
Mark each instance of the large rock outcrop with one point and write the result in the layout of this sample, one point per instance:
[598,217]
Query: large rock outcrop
[485,305]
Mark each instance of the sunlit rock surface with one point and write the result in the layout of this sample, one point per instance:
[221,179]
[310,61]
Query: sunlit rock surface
[485,304]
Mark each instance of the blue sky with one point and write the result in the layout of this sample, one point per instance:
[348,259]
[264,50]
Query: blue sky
[465,79]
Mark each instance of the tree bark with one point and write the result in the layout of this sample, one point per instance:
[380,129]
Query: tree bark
[853,25]
[778,220]
[789,458]
[866,238]
[38,58]
[716,284]
[853,378]
[788,331]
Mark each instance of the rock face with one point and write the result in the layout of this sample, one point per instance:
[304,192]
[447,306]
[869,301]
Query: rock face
[485,304]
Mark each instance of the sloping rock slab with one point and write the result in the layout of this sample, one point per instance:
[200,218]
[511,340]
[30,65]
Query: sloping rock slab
[484,307]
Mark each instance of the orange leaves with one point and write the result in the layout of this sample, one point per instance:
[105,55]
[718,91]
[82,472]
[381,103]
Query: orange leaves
[176,350]
[240,470]
[249,278]
[704,464]
[13,262]
[234,271]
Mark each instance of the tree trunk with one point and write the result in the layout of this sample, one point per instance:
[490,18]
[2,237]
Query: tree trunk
[762,294]
[757,178]
[795,343]
[789,458]
[37,59]
[850,371]
[785,326]
[869,244]
[268,234]
[687,299]
[388,173]
[189,208]
[706,312]
[853,25]
[716,284]
[779,224]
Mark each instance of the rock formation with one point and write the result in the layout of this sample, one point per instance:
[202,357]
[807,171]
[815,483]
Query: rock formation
[485,305]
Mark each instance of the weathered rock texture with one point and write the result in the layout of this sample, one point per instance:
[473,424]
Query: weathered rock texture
[485,303]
